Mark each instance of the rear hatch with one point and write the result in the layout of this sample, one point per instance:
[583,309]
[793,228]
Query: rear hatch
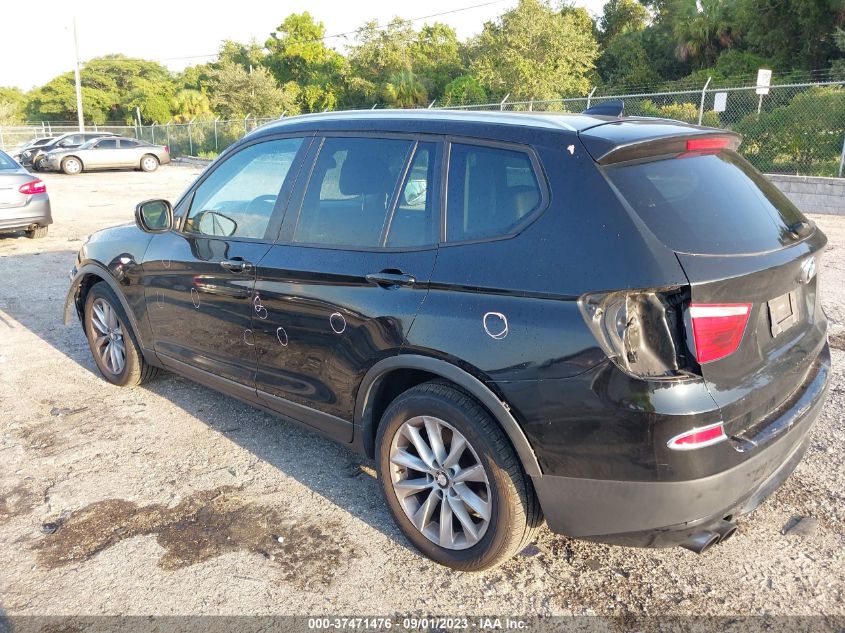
[754,323]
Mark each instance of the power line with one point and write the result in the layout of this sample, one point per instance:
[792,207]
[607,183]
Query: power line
[378,27]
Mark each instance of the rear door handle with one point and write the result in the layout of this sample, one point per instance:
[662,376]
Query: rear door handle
[388,279]
[236,265]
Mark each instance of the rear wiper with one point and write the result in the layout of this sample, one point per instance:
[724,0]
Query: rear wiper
[801,228]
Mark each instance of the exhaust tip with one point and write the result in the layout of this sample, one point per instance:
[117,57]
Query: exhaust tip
[725,530]
[700,542]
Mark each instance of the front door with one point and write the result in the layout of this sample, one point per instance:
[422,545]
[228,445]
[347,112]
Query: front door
[199,278]
[341,288]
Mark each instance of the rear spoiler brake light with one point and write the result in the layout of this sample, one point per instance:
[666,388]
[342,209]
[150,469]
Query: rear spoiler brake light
[668,145]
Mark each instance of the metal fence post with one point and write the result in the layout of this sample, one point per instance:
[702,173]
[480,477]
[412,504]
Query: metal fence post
[701,106]
[431,105]
[216,149]
[842,157]
[246,118]
[191,138]
[167,131]
[153,132]
[590,96]
[502,102]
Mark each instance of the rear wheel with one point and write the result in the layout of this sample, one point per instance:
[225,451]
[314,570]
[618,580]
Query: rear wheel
[452,480]
[149,163]
[111,341]
[37,233]
[71,165]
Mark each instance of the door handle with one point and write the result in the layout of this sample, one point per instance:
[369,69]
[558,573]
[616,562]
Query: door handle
[236,265]
[391,279]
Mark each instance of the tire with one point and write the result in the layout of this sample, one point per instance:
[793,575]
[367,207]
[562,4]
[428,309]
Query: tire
[501,489]
[72,166]
[103,310]
[37,165]
[149,162]
[37,233]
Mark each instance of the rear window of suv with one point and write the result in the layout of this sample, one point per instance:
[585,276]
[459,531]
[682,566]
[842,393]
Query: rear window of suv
[708,204]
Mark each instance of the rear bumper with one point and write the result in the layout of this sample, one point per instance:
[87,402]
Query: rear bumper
[664,513]
[34,213]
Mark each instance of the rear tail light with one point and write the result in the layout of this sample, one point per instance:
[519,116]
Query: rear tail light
[167,148]
[718,329]
[32,187]
[639,330]
[698,438]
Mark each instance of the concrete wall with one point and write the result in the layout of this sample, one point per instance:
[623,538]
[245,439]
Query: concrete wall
[812,194]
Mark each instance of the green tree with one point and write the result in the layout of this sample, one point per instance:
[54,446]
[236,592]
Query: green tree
[704,29]
[107,83]
[436,57]
[12,103]
[464,90]
[188,104]
[298,54]
[405,90]
[621,16]
[237,92]
[793,33]
[535,52]
[625,62]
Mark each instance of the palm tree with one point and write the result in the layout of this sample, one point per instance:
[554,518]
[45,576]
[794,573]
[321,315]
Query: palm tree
[706,30]
[189,104]
[405,90]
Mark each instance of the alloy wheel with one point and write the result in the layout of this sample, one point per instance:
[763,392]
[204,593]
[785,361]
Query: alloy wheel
[440,482]
[108,336]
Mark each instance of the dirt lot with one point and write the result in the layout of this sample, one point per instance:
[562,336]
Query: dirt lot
[173,499]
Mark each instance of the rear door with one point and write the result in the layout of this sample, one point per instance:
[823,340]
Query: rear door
[341,288]
[755,322]
[128,153]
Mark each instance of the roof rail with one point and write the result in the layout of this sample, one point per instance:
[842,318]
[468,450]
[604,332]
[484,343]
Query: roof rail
[608,108]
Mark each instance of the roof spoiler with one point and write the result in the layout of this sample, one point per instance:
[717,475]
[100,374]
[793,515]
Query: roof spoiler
[697,141]
[608,108]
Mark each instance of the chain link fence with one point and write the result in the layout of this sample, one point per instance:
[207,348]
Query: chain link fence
[796,128]
[205,138]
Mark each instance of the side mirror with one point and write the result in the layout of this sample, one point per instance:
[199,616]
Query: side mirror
[154,216]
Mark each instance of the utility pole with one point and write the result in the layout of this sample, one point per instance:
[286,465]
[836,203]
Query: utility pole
[78,81]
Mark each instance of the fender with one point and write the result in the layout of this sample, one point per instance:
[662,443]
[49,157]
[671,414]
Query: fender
[363,404]
[72,304]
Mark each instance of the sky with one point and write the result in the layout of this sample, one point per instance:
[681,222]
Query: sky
[35,46]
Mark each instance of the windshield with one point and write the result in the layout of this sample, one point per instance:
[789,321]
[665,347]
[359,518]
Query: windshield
[6,161]
[711,204]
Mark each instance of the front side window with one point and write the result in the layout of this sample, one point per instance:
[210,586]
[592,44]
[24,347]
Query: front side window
[238,198]
[490,191]
[350,191]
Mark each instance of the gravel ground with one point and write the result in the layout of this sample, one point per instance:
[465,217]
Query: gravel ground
[177,500]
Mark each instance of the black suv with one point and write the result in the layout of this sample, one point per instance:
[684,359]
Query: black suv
[34,156]
[610,322]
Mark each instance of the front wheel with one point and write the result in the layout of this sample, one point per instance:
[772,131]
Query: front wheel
[71,166]
[452,480]
[111,341]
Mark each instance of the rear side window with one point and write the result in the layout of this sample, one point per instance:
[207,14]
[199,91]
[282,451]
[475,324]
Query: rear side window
[490,191]
[350,191]
[6,162]
[127,143]
[109,143]
[708,204]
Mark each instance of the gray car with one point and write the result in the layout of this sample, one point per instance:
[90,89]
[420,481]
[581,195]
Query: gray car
[108,153]
[24,203]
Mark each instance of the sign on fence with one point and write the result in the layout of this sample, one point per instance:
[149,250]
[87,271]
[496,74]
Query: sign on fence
[764,80]
[720,102]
